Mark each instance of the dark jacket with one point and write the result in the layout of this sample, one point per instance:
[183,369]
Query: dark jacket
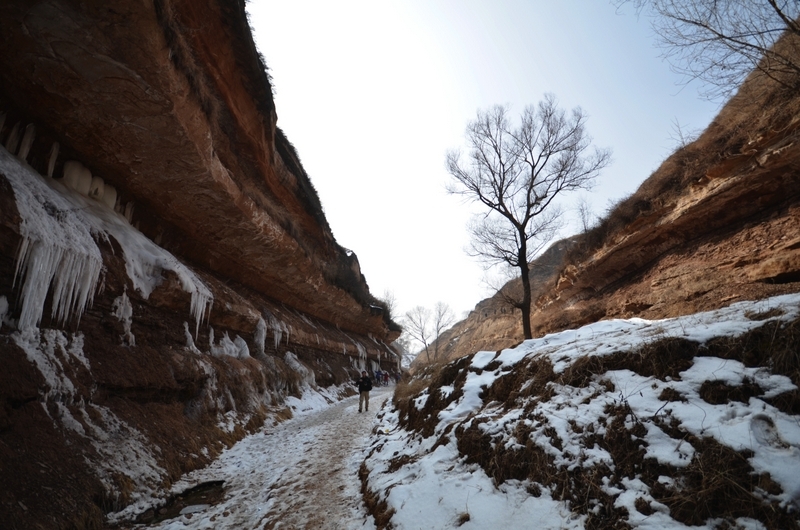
[364,384]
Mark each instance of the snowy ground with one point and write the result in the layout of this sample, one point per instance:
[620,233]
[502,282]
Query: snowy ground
[302,473]
[428,483]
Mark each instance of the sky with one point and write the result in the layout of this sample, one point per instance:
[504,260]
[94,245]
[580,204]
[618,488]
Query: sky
[373,94]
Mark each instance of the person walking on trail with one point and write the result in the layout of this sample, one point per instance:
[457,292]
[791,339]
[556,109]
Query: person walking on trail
[364,386]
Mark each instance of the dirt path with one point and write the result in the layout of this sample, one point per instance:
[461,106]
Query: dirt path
[300,474]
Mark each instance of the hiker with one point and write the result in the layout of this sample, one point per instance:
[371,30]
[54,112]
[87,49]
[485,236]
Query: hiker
[364,386]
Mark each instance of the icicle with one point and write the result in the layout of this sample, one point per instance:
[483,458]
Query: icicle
[37,263]
[3,310]
[260,336]
[73,287]
[27,142]
[77,177]
[110,196]
[242,351]
[58,249]
[201,302]
[97,189]
[228,347]
[123,310]
[189,340]
[84,181]
[73,276]
[51,159]
[13,139]
[129,211]
[277,329]
[362,352]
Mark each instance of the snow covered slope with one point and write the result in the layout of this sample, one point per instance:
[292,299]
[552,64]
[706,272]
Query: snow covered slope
[691,422]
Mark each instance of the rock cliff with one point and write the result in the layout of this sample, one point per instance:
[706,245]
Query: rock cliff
[168,280]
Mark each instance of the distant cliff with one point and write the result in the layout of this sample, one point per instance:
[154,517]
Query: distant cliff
[167,275]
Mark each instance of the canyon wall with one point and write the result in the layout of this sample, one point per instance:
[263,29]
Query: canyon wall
[168,280]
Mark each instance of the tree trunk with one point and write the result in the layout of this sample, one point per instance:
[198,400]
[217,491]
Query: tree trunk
[525,306]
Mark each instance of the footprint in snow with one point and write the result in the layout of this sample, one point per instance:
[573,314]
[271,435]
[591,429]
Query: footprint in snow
[765,432]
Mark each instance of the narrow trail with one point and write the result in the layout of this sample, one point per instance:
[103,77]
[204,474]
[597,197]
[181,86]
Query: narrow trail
[300,474]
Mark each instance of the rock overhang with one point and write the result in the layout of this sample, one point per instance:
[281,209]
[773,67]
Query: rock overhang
[170,103]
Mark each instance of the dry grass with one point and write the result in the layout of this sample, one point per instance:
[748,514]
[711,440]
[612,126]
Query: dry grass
[581,487]
[720,483]
[376,507]
[774,345]
[432,378]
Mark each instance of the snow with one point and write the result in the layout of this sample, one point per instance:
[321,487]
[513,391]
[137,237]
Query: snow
[435,487]
[435,490]
[292,474]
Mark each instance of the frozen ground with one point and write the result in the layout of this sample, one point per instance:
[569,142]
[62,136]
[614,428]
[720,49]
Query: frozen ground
[299,474]
[302,474]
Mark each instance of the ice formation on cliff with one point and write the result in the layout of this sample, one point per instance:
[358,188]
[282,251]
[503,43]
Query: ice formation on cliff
[58,250]
[261,336]
[233,348]
[121,450]
[123,310]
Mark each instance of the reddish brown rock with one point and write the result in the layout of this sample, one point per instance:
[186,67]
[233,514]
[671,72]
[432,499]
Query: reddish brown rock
[169,103]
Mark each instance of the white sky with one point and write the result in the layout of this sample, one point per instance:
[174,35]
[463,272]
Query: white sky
[373,93]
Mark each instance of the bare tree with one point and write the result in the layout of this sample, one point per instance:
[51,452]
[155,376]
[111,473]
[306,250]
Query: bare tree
[403,346]
[721,41]
[683,136]
[517,173]
[425,326]
[586,215]
[390,300]
[443,318]
[417,325]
